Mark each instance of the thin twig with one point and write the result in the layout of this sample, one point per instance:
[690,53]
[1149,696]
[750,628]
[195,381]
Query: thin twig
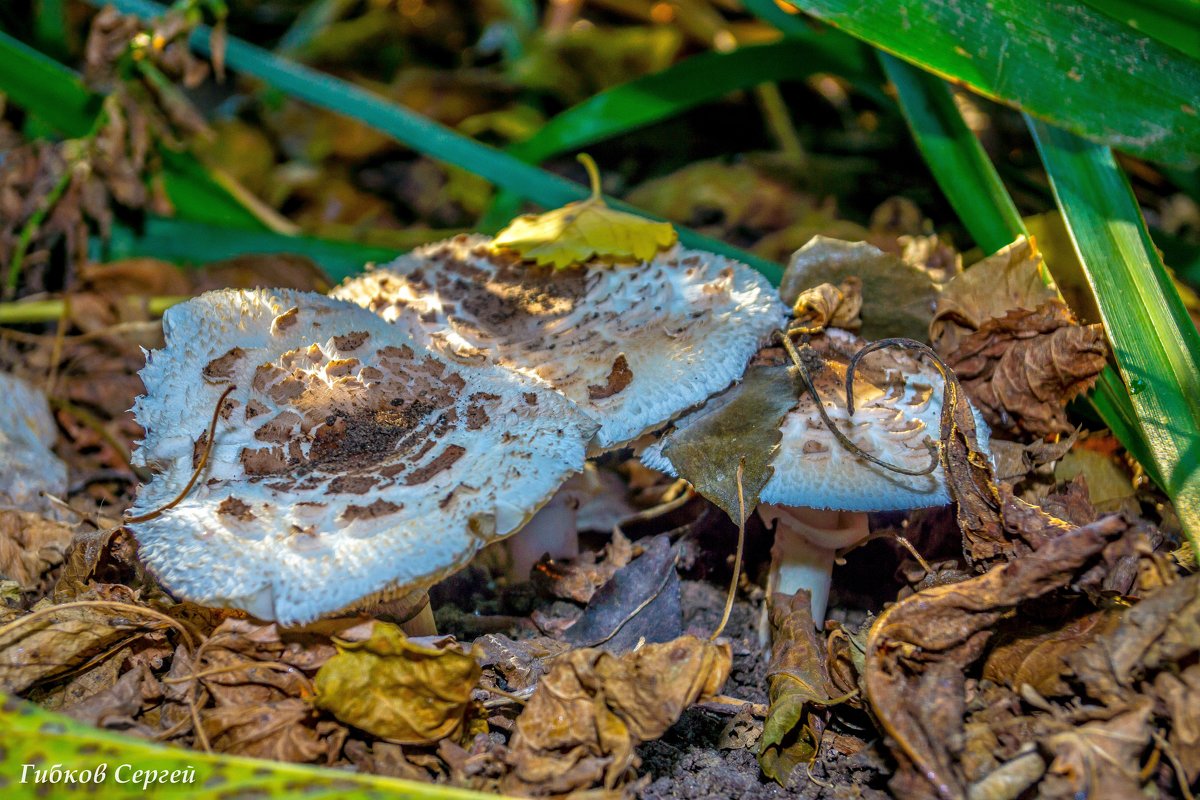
[208,444]
[737,559]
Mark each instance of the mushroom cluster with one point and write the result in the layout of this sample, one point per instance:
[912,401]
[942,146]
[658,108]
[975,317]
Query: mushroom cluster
[347,462]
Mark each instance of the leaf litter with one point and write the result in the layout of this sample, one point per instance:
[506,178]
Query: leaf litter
[1043,645]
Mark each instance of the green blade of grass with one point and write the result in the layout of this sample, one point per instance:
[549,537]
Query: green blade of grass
[956,158]
[1175,22]
[34,739]
[419,133]
[1062,61]
[1154,341]
[970,182]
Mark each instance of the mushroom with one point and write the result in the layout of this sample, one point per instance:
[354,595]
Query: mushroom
[820,491]
[28,467]
[632,346]
[348,465]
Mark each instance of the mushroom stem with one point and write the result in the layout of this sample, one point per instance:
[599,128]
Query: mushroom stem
[806,541]
[422,624]
[551,531]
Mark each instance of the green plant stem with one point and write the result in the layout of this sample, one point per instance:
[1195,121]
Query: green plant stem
[30,229]
[29,312]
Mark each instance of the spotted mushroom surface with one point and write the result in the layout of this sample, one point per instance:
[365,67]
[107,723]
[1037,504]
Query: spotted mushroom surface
[348,461]
[633,346]
[898,407]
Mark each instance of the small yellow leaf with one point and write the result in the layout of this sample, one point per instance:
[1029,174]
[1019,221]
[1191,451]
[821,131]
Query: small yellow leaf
[583,230]
[398,689]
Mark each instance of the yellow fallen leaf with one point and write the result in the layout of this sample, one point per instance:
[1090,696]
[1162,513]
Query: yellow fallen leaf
[398,689]
[583,230]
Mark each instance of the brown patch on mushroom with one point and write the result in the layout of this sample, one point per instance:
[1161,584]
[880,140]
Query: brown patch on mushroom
[530,398]
[264,461]
[220,369]
[352,484]
[618,378]
[254,408]
[198,449]
[350,341]
[279,429]
[813,446]
[441,462]
[238,509]
[477,415]
[379,508]
[285,320]
[228,408]
[340,368]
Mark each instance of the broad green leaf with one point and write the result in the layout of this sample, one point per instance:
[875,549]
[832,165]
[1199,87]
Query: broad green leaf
[1175,22]
[1155,343]
[32,736]
[1064,62]
[421,134]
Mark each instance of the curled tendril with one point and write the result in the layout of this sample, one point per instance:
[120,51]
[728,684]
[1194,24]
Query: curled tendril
[843,440]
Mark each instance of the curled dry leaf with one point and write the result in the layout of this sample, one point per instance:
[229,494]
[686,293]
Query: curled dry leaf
[587,716]
[399,689]
[897,298]
[919,649]
[797,682]
[579,580]
[827,305]
[580,231]
[1022,368]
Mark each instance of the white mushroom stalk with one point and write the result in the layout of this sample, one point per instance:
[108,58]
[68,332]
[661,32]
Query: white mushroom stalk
[821,489]
[632,345]
[348,463]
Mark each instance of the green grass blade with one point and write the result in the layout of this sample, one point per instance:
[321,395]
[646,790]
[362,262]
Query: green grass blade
[1061,61]
[32,736]
[960,167]
[970,182]
[692,82]
[1156,346]
[421,134]
[1175,22]
[46,88]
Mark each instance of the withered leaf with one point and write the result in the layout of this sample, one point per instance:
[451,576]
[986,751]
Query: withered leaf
[1035,655]
[918,651]
[1100,759]
[398,689]
[284,730]
[742,427]
[640,602]
[827,305]
[586,717]
[1006,280]
[30,546]
[897,298]
[1022,368]
[580,579]
[797,683]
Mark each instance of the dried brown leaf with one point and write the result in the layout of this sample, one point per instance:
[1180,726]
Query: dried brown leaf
[30,546]
[583,722]
[827,305]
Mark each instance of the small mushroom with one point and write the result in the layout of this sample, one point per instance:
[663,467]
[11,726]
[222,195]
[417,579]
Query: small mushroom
[28,467]
[632,346]
[820,491]
[348,462]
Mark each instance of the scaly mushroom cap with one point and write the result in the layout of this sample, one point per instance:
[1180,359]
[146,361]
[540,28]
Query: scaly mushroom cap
[348,462]
[27,465]
[633,346]
[897,409]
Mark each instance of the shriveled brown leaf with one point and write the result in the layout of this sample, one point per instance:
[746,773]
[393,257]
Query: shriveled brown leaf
[580,579]
[742,427]
[1022,368]
[1035,655]
[30,546]
[283,730]
[827,305]
[919,649]
[897,298]
[399,689]
[640,603]
[1006,280]
[1100,759]
[798,684]
[583,722]
[516,666]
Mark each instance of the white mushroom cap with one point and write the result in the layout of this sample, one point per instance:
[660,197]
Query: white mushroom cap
[633,346]
[347,462]
[28,467]
[898,406]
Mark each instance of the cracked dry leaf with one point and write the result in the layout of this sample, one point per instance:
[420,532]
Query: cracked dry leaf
[1022,368]
[398,689]
[583,230]
[30,546]
[797,680]
[741,426]
[897,298]
[585,719]
[918,652]
[1008,279]
[826,306]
